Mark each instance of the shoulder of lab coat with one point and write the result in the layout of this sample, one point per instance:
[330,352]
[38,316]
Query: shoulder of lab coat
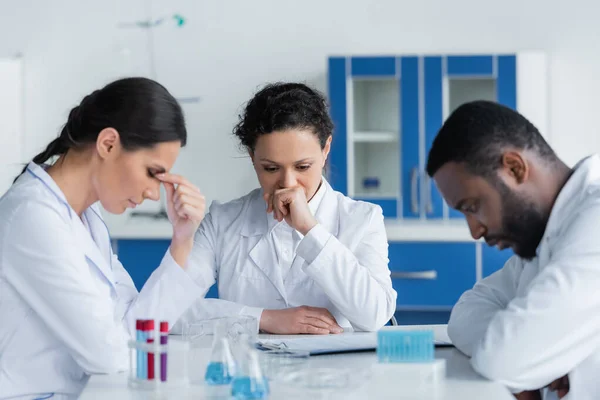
[202,264]
[357,282]
[546,333]
[42,259]
[221,218]
[476,307]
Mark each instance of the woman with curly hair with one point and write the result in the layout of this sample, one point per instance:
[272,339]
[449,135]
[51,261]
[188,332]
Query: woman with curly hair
[294,253]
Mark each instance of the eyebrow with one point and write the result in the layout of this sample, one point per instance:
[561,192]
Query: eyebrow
[295,162]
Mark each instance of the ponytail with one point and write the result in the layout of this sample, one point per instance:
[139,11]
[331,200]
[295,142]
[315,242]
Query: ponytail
[141,110]
[58,146]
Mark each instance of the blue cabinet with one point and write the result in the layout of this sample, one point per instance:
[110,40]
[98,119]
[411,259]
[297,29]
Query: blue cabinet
[141,257]
[453,80]
[431,276]
[388,110]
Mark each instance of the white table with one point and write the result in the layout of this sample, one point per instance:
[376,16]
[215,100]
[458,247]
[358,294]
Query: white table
[462,382]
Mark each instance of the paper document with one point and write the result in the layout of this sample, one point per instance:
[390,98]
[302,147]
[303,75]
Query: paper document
[322,344]
[344,342]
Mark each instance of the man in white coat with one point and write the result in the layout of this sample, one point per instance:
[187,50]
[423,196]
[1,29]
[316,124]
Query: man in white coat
[534,325]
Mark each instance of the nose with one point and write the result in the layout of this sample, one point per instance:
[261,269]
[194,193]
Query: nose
[288,179]
[477,229]
[153,193]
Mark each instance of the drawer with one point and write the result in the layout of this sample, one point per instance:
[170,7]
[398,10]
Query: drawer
[431,275]
[493,259]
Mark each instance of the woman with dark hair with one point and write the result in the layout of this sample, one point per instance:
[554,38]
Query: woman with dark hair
[67,305]
[295,254]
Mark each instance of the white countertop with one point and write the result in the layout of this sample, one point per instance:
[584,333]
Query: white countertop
[461,382]
[127,227]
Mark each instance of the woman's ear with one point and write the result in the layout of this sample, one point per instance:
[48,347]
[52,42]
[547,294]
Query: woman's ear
[107,142]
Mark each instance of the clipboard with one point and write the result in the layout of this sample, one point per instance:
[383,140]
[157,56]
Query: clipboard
[327,344]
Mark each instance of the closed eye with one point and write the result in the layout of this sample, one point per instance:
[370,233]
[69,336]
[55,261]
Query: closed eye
[470,209]
[153,172]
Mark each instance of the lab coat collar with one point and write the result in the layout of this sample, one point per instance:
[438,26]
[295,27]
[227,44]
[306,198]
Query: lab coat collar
[95,242]
[39,172]
[566,204]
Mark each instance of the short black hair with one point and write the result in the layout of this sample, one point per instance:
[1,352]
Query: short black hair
[280,106]
[476,134]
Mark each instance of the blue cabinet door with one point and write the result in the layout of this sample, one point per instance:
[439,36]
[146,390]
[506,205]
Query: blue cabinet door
[141,257]
[438,73]
[431,275]
[434,205]
[493,259]
[337,172]
[411,162]
[343,71]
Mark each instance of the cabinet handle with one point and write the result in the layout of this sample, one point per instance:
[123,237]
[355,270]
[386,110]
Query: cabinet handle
[428,275]
[414,201]
[429,206]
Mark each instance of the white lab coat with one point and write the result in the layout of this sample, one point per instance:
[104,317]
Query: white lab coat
[532,322]
[341,264]
[67,305]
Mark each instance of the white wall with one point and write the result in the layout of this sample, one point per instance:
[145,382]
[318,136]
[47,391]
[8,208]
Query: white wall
[11,120]
[229,48]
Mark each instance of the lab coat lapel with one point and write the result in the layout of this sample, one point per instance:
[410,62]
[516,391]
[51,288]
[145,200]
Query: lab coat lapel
[95,243]
[327,215]
[263,254]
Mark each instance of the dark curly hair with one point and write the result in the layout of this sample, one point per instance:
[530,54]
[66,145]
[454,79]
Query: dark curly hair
[280,106]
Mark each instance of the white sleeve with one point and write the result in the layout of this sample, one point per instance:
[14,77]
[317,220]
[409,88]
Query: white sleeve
[475,309]
[202,266]
[165,296]
[44,262]
[359,283]
[544,334]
